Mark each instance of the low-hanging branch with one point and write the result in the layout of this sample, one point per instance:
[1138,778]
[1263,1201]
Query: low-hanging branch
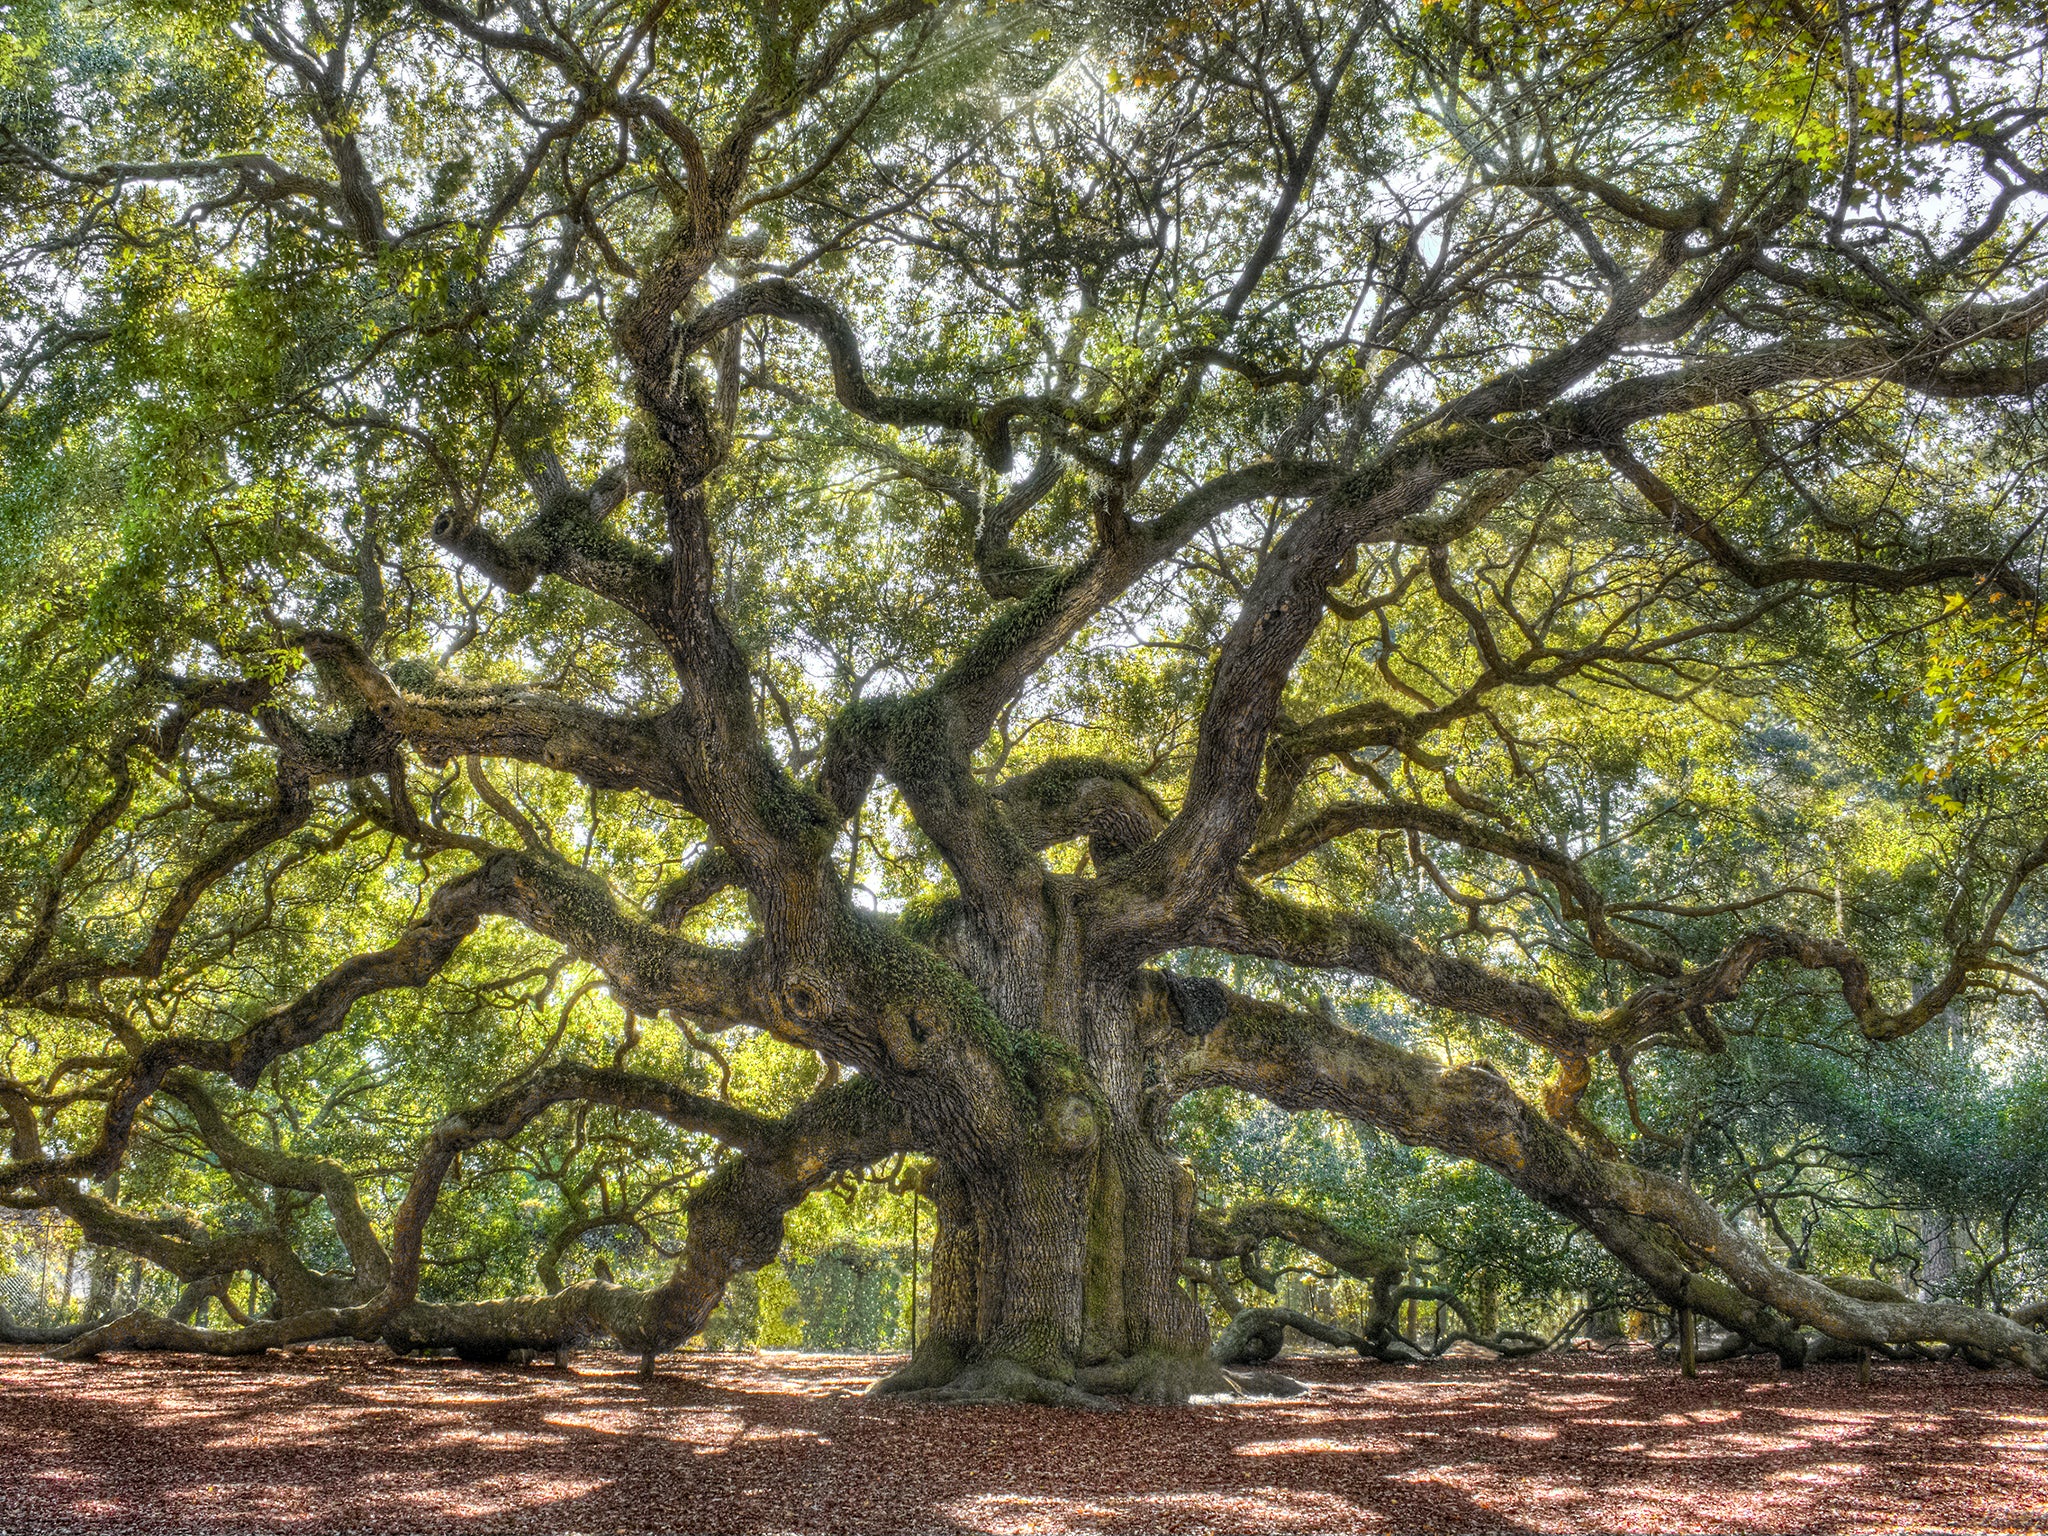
[735,1224]
[1301,1061]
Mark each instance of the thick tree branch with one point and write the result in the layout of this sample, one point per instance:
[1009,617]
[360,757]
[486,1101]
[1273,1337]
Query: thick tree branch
[443,721]
[1253,922]
[1301,1061]
[1974,571]
[1583,900]
[1191,863]
[420,952]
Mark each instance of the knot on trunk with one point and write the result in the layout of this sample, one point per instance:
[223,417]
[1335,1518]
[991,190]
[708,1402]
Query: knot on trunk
[806,1000]
[1199,1002]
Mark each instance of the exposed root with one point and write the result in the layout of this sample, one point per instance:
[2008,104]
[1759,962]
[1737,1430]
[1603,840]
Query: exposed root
[1262,1383]
[1171,1380]
[936,1363]
[997,1381]
[939,1374]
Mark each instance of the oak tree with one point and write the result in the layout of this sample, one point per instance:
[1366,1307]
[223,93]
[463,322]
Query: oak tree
[1054,556]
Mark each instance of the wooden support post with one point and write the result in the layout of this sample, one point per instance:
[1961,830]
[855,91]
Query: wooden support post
[1688,1343]
[1863,1367]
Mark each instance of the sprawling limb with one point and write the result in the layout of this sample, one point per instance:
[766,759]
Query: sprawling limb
[1969,571]
[1244,1228]
[1257,1335]
[290,810]
[646,966]
[1193,862]
[12,1332]
[735,1225]
[383,1283]
[200,1258]
[418,954]
[989,423]
[283,1170]
[445,721]
[1583,900]
[651,968]
[1257,923]
[736,1220]
[1659,1227]
[736,1216]
[1676,1000]
[568,538]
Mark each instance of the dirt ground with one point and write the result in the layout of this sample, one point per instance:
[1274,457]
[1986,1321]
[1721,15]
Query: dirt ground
[337,1439]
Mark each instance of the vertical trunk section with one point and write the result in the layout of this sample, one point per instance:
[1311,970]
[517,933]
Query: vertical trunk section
[1056,1269]
[1061,1254]
[1061,1273]
[1007,1266]
[1027,1222]
[1140,1204]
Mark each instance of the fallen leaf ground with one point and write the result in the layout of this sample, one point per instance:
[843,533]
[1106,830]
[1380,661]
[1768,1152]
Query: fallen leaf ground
[347,1439]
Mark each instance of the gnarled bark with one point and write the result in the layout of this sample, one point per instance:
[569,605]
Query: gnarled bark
[1658,1227]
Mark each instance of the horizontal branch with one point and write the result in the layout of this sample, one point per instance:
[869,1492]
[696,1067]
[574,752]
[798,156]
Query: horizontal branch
[510,1111]
[735,1224]
[567,538]
[1254,922]
[988,423]
[1583,899]
[443,721]
[279,1169]
[1992,571]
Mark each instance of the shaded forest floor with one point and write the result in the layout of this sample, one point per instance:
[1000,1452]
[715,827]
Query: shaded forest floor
[348,1439]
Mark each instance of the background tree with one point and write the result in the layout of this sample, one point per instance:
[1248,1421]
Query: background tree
[1048,559]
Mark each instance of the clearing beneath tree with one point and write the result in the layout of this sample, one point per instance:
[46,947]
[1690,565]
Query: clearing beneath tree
[347,1438]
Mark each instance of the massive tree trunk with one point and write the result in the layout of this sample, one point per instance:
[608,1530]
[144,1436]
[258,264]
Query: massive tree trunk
[1058,1279]
[1063,1221]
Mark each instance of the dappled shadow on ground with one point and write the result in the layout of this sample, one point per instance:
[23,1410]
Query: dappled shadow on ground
[346,1438]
